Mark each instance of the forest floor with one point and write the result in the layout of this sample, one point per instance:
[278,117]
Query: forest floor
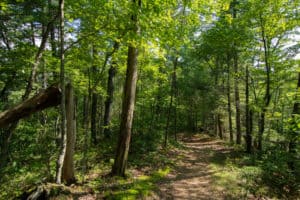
[199,167]
[202,168]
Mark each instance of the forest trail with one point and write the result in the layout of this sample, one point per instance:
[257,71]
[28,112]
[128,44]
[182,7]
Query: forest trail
[192,177]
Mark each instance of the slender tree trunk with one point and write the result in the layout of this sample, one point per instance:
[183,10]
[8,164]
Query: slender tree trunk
[128,103]
[86,106]
[175,91]
[68,174]
[248,115]
[173,96]
[94,118]
[168,121]
[229,102]
[62,153]
[215,125]
[237,99]
[220,126]
[267,97]
[37,59]
[109,100]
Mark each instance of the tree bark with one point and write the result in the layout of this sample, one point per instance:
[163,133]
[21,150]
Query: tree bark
[168,121]
[86,106]
[248,117]
[229,102]
[109,100]
[220,126]
[68,174]
[94,118]
[128,104]
[237,99]
[267,97]
[172,95]
[175,93]
[63,141]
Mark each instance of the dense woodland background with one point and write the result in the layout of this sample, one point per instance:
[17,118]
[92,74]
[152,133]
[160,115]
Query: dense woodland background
[228,68]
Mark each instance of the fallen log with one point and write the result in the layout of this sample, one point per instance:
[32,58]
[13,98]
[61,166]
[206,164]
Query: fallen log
[49,97]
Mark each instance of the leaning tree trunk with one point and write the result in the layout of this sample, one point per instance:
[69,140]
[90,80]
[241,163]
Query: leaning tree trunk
[45,99]
[127,105]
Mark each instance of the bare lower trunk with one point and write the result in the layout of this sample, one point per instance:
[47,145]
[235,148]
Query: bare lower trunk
[267,97]
[94,118]
[86,106]
[229,103]
[220,126]
[109,100]
[127,113]
[68,174]
[168,121]
[248,116]
[237,100]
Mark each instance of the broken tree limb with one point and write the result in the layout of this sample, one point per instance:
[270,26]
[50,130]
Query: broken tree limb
[45,99]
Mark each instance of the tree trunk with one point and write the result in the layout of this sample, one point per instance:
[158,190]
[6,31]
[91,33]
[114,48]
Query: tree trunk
[37,59]
[175,91]
[220,126]
[168,121]
[94,118]
[128,104]
[109,100]
[68,174]
[248,117]
[229,103]
[237,99]
[267,97]
[63,141]
[86,105]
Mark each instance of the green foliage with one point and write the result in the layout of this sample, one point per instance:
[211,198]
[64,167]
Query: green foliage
[200,37]
[277,175]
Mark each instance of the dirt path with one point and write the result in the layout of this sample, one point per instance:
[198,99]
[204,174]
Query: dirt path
[192,177]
